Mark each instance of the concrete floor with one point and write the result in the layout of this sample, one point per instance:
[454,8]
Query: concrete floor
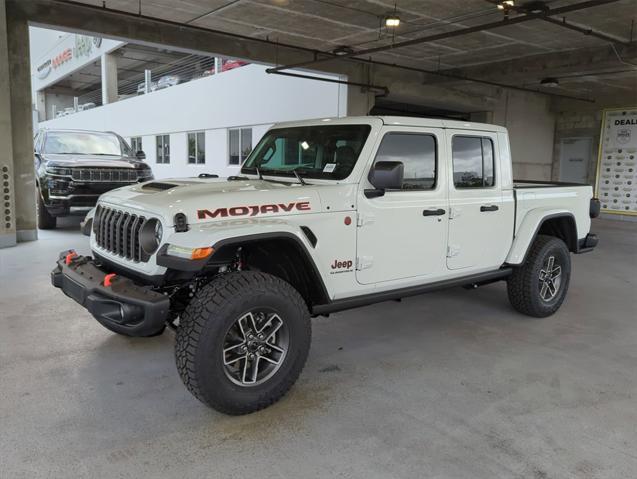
[448,385]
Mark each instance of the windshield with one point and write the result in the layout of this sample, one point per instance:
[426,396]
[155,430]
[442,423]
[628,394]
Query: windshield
[84,144]
[326,151]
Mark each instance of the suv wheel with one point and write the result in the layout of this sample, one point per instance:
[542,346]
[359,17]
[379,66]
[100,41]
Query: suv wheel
[539,286]
[243,341]
[45,220]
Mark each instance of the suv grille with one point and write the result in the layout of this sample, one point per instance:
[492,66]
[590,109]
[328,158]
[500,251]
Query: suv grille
[119,233]
[105,175]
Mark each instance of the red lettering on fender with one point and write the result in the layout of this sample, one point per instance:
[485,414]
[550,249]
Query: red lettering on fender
[253,210]
[202,214]
[269,209]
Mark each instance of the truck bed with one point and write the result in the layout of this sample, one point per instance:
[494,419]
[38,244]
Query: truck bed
[547,198]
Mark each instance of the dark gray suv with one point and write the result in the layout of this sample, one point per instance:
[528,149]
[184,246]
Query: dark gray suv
[74,167]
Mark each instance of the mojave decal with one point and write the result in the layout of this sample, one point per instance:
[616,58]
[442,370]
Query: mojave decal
[253,210]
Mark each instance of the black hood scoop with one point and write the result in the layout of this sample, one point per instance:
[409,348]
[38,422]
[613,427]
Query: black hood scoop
[158,186]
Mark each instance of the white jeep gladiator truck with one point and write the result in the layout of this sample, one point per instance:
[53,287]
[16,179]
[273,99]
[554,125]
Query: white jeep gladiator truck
[327,215]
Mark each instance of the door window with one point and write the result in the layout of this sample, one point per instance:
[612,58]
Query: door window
[417,152]
[473,162]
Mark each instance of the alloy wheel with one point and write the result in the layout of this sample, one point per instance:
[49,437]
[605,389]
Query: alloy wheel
[550,279]
[255,347]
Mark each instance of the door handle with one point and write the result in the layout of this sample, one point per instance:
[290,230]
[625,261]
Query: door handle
[489,208]
[438,212]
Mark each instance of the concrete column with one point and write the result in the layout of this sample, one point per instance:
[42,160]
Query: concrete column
[7,220]
[40,104]
[23,212]
[359,100]
[109,79]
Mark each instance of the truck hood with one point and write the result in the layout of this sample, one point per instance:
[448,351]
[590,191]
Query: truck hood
[206,200]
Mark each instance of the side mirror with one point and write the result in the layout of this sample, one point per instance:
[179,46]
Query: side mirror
[140,155]
[387,175]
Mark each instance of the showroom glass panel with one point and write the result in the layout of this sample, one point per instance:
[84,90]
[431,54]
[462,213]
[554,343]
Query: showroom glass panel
[417,153]
[234,147]
[246,143]
[163,149]
[473,162]
[201,147]
[192,148]
[319,151]
[136,144]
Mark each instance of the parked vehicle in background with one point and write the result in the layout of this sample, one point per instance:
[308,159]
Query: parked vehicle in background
[141,88]
[74,167]
[232,64]
[86,106]
[329,215]
[168,81]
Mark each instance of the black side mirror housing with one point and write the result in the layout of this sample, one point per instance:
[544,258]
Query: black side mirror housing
[387,175]
[140,155]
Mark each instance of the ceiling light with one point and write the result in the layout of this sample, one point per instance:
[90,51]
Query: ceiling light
[550,82]
[506,4]
[305,145]
[392,21]
[342,50]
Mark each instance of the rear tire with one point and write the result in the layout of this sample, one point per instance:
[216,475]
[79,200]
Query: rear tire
[538,287]
[242,341]
[45,220]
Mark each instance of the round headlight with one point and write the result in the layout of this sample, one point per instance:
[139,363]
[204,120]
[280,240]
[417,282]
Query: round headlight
[150,236]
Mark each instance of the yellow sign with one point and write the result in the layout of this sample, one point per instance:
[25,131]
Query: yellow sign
[616,181]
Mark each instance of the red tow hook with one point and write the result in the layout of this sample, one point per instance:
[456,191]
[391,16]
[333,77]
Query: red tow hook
[69,257]
[108,279]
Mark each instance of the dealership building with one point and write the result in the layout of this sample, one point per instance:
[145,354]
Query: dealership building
[190,114]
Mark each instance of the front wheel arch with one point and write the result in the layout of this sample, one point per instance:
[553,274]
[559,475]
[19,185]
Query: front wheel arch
[282,255]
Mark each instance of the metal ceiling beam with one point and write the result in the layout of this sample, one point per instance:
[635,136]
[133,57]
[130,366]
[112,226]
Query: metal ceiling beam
[441,36]
[585,30]
[563,22]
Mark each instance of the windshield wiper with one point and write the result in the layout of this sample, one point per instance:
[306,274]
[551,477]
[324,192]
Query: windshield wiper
[258,172]
[299,177]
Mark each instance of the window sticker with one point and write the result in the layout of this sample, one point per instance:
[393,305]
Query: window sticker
[329,167]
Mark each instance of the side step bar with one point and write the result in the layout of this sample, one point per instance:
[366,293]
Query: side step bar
[364,300]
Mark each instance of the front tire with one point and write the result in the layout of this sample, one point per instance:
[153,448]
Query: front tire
[45,220]
[243,341]
[538,287]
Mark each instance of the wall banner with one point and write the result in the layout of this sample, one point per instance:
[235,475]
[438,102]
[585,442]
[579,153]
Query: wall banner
[616,182]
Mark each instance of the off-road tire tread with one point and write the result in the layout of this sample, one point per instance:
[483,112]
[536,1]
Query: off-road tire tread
[519,289]
[207,303]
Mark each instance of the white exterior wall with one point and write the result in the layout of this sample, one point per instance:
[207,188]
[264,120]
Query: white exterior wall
[243,97]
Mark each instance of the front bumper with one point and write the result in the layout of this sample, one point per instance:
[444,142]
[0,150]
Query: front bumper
[121,305]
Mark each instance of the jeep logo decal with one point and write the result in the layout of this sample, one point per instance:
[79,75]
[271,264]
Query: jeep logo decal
[253,210]
[342,264]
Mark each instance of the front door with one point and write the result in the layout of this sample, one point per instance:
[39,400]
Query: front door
[403,234]
[480,229]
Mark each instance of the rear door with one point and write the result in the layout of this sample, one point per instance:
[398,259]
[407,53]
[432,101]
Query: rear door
[403,234]
[479,227]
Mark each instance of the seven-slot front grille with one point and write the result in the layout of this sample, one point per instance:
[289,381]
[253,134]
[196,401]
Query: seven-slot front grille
[119,232]
[105,175]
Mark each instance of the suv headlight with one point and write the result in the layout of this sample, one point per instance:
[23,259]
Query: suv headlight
[58,170]
[150,236]
[145,174]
